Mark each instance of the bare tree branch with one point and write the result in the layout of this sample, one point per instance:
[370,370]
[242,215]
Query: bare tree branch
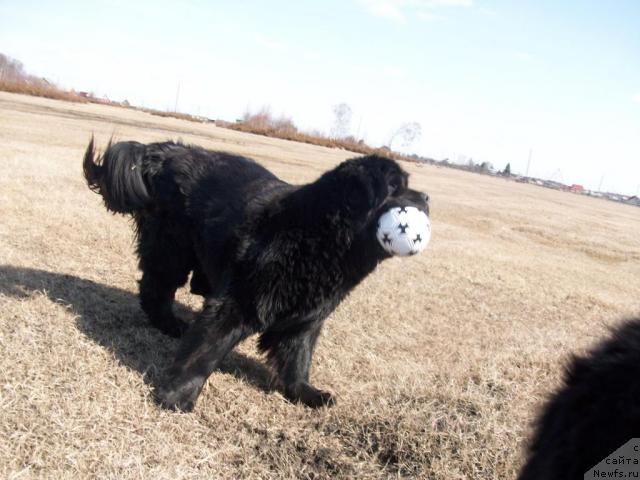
[408,132]
[342,120]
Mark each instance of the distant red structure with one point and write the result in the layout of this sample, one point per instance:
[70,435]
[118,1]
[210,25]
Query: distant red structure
[575,188]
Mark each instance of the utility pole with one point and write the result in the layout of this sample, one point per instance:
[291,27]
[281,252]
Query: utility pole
[359,125]
[528,162]
[175,107]
[600,184]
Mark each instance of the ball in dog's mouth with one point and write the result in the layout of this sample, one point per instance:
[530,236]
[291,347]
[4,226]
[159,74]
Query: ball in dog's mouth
[404,231]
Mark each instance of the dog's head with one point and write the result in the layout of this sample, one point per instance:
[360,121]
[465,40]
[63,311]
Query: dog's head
[399,193]
[377,184]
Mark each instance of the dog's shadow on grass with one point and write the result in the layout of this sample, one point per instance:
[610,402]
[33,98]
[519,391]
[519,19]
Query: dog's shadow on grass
[112,318]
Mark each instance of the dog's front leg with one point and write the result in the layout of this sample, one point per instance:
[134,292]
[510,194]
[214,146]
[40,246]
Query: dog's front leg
[201,350]
[290,353]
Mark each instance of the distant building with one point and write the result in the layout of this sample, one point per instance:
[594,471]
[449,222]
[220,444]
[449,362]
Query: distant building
[575,188]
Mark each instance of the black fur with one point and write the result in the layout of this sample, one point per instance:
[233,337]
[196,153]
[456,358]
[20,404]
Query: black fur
[268,257]
[593,414]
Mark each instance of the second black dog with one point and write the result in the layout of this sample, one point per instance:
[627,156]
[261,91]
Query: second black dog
[594,413]
[268,257]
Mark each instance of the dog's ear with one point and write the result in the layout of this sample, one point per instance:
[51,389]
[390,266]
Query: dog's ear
[361,193]
[397,182]
[362,185]
[387,178]
[367,187]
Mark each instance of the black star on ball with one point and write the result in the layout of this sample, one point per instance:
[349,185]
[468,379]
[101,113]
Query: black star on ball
[386,239]
[403,209]
[418,238]
[403,227]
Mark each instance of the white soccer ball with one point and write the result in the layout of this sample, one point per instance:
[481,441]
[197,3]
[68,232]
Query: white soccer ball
[404,231]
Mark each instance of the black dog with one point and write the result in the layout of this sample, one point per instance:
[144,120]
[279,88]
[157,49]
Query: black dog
[593,414]
[268,257]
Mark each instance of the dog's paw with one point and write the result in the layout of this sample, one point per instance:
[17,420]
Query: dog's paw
[175,327]
[321,399]
[182,397]
[309,396]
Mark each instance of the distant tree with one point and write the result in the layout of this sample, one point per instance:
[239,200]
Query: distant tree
[12,70]
[486,167]
[342,114]
[264,121]
[260,120]
[407,132]
[507,170]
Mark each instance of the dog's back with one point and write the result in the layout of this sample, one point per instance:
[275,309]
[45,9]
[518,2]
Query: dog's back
[132,176]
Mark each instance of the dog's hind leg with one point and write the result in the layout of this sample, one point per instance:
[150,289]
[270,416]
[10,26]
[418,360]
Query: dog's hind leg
[157,292]
[165,260]
[200,283]
[290,352]
[204,346]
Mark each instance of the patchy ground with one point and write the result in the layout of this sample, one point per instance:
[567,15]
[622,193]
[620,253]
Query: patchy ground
[440,361]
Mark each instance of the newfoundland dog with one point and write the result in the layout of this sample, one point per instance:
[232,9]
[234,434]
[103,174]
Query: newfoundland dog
[268,257]
[596,411]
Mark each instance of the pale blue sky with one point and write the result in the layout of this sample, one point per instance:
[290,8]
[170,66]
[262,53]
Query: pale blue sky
[486,79]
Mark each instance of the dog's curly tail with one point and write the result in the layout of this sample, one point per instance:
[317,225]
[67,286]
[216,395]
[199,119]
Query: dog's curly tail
[92,171]
[117,175]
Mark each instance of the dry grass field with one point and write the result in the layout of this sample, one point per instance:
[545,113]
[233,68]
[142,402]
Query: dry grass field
[440,361]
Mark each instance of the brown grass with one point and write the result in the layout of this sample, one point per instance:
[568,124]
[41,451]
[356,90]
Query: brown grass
[440,361]
[40,89]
